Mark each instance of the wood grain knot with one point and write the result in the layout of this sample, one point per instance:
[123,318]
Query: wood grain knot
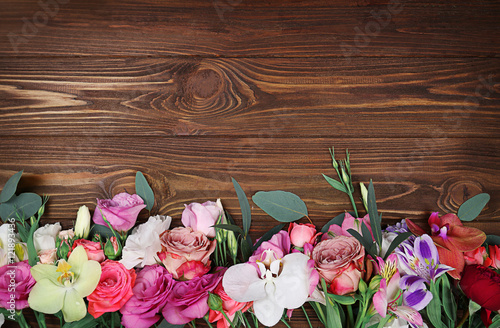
[456,191]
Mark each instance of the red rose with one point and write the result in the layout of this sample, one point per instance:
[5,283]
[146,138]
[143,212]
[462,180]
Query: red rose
[482,285]
[114,289]
[92,248]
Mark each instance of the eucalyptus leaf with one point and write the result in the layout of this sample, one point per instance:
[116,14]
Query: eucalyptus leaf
[373,213]
[10,187]
[469,210]
[335,184]
[230,227]
[246,215]
[143,189]
[25,205]
[492,240]
[268,235]
[395,243]
[101,230]
[336,220]
[283,206]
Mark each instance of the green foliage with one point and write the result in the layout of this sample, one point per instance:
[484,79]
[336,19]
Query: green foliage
[246,215]
[143,189]
[469,210]
[281,205]
[10,187]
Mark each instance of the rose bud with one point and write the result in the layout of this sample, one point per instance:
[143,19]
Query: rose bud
[201,217]
[82,224]
[482,285]
[301,234]
[112,248]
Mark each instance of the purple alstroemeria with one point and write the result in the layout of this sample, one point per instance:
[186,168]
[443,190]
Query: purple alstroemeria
[420,262]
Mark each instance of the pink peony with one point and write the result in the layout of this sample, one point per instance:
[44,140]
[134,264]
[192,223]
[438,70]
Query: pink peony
[114,289]
[340,262]
[18,298]
[350,222]
[152,287]
[201,217]
[188,300]
[92,248]
[186,253]
[301,234]
[121,211]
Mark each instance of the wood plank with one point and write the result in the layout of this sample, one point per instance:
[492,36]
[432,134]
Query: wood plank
[263,97]
[250,28]
[412,177]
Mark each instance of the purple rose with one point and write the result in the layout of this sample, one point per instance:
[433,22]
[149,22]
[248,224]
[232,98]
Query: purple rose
[188,300]
[152,286]
[24,282]
[121,211]
[201,217]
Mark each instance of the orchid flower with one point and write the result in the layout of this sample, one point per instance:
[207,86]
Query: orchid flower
[273,284]
[64,286]
[386,298]
[452,238]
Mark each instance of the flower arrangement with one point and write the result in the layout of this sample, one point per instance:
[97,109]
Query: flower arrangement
[109,271]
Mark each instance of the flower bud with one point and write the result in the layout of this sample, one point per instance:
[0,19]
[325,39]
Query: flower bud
[375,283]
[362,286]
[82,225]
[215,302]
[232,244]
[62,249]
[112,249]
[364,194]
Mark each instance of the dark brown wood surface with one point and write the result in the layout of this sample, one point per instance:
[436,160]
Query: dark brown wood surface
[193,93]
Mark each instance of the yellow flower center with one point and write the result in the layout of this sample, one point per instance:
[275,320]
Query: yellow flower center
[66,275]
[389,270]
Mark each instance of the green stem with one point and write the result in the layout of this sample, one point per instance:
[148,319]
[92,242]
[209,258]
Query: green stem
[112,320]
[245,319]
[307,317]
[360,318]
[22,320]
[208,322]
[284,321]
[230,322]
[353,204]
[351,316]
[464,318]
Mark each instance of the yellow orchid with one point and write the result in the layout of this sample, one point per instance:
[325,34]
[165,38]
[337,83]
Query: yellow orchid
[64,286]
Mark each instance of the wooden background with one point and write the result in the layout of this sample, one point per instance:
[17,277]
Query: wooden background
[193,93]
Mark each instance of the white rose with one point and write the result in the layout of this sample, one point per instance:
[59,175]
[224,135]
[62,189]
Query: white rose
[45,237]
[144,242]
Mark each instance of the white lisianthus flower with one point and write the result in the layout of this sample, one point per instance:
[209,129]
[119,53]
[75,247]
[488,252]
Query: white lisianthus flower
[20,249]
[2,319]
[82,225]
[144,242]
[45,237]
[387,238]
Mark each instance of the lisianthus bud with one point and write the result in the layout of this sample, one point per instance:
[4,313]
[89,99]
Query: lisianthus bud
[62,249]
[364,194]
[232,244]
[214,302]
[362,286]
[82,225]
[112,249]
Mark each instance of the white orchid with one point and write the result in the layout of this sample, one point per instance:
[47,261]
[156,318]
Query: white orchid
[272,284]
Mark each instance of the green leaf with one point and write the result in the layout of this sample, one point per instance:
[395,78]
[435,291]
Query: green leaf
[374,216]
[281,205]
[492,240]
[434,307]
[87,322]
[335,184]
[395,243]
[320,310]
[268,235]
[332,312]
[336,220]
[166,324]
[495,321]
[246,249]
[469,210]
[143,189]
[448,299]
[246,215]
[23,232]
[25,205]
[368,245]
[103,231]
[30,244]
[343,299]
[231,227]
[10,187]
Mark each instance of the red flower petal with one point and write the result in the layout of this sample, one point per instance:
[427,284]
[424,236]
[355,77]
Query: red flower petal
[450,219]
[466,238]
[451,257]
[415,229]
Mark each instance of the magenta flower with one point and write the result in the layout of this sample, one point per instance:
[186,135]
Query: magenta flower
[152,287]
[350,222]
[279,244]
[188,300]
[24,282]
[121,211]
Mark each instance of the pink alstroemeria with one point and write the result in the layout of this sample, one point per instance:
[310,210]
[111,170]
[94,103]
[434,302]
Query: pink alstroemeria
[385,299]
[452,238]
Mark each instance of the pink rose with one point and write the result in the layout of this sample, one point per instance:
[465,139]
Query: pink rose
[92,248]
[114,289]
[24,282]
[48,256]
[350,222]
[279,244]
[495,256]
[229,306]
[477,256]
[188,300]
[340,261]
[186,253]
[201,217]
[301,234]
[121,211]
[152,287]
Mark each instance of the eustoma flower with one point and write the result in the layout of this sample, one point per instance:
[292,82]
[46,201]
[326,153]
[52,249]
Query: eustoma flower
[63,287]
[121,211]
[453,238]
[273,284]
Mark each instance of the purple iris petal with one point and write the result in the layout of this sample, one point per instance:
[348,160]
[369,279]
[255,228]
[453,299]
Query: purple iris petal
[426,251]
[417,299]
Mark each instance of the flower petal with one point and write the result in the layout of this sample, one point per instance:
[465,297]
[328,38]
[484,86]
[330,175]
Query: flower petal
[292,285]
[242,283]
[45,271]
[454,259]
[74,308]
[380,299]
[46,297]
[425,250]
[77,258]
[90,274]
[466,238]
[417,299]
[267,311]
[417,230]
[409,314]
